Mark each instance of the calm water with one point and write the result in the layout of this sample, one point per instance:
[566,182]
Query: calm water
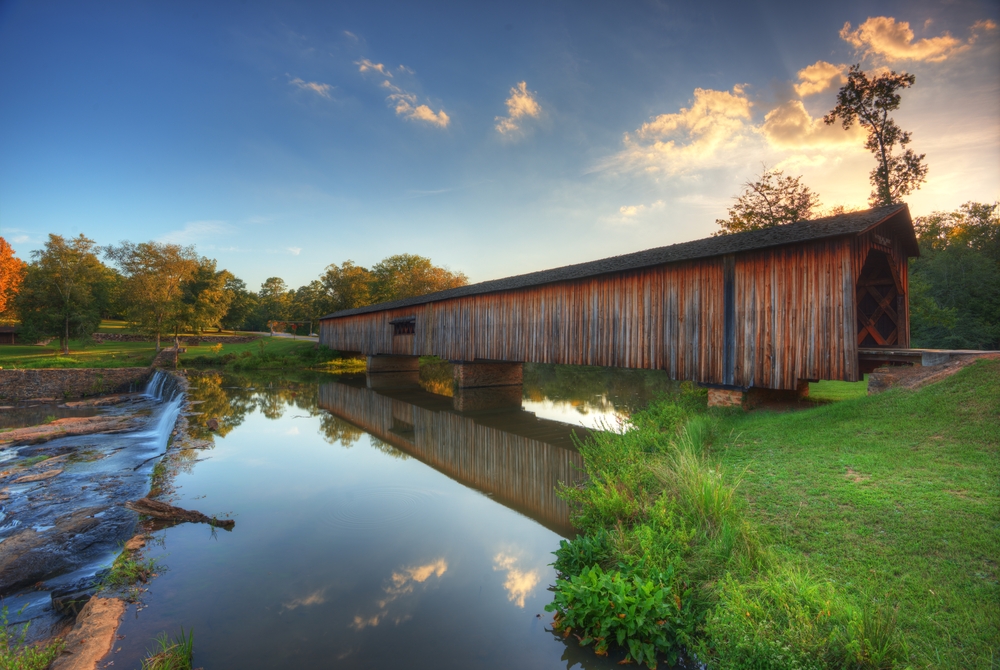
[375,527]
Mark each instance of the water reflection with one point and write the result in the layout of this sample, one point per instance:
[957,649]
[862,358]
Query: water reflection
[503,451]
[351,551]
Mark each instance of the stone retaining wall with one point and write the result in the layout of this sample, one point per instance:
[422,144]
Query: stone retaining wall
[67,383]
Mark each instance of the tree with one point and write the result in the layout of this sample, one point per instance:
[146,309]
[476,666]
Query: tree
[772,200]
[955,284]
[65,289]
[12,271]
[869,101]
[204,300]
[407,275]
[242,305]
[273,301]
[154,274]
[345,286]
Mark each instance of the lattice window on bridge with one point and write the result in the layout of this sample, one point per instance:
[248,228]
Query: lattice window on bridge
[404,326]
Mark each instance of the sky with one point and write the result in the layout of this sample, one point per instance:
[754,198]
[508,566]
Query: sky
[495,139]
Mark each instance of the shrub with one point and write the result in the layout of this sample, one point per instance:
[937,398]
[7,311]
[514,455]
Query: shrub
[645,616]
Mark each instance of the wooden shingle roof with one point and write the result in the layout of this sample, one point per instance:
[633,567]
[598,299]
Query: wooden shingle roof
[852,223]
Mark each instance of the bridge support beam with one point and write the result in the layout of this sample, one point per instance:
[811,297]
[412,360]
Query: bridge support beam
[393,372]
[751,397]
[481,374]
[378,364]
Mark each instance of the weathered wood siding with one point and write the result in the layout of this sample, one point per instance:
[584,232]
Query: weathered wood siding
[520,472]
[791,317]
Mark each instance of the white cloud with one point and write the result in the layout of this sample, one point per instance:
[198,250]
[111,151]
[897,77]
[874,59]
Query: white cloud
[790,126]
[314,86]
[520,104]
[695,137]
[295,251]
[818,77]
[364,65]
[894,40]
[195,231]
[405,104]
[314,598]
[351,36]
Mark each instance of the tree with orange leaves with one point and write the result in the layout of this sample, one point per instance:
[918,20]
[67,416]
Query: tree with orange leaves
[11,275]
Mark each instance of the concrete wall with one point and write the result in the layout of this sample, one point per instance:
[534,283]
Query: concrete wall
[70,383]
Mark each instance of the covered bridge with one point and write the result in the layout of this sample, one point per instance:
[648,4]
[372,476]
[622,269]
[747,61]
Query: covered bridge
[766,309]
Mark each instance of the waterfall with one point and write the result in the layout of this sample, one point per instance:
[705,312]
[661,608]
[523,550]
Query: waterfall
[163,388]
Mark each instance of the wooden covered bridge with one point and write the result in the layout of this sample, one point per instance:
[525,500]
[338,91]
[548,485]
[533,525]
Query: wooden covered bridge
[764,309]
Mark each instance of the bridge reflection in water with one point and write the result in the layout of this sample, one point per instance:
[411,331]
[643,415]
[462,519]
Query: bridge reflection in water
[481,438]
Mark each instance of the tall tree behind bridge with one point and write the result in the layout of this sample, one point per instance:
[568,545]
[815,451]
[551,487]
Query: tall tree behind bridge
[154,274]
[407,275]
[955,284]
[12,271]
[900,171]
[345,286]
[65,289]
[772,200]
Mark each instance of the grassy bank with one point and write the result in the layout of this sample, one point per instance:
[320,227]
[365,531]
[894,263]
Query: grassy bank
[261,354]
[857,534]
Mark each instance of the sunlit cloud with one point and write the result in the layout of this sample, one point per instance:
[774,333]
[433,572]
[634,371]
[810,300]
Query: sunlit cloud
[894,40]
[520,104]
[195,231]
[314,598]
[519,583]
[314,86]
[405,104]
[402,583]
[295,251]
[365,65]
[695,137]
[790,126]
[818,77]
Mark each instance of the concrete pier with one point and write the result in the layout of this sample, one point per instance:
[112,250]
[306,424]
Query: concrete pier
[485,374]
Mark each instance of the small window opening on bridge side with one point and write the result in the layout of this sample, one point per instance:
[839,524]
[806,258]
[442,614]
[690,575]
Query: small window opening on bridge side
[404,326]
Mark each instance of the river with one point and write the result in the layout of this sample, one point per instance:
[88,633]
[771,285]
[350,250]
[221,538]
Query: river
[376,527]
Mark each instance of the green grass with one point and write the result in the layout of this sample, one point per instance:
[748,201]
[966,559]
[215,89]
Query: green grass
[860,534]
[128,573]
[827,391]
[107,355]
[15,654]
[171,654]
[895,497]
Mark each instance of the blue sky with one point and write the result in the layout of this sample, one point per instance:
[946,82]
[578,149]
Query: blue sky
[281,137]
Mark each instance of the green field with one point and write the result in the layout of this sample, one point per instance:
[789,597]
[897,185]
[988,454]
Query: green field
[860,533]
[894,497]
[137,354]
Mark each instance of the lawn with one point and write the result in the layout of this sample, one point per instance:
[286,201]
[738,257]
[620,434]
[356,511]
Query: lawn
[138,354]
[895,497]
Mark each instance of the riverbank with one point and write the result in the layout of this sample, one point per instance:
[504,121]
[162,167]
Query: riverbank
[68,487]
[859,534]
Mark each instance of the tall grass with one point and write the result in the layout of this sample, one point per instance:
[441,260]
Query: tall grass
[657,512]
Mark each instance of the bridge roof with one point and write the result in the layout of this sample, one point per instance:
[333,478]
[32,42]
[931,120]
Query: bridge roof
[852,223]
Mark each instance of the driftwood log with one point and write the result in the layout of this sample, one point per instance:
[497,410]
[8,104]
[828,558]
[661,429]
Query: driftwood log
[159,510]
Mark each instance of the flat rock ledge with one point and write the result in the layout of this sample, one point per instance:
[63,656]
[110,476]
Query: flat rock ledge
[69,427]
[92,636]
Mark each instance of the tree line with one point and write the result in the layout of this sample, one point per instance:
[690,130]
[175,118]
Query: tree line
[162,289]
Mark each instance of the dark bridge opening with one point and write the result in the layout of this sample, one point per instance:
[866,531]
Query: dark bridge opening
[880,302]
